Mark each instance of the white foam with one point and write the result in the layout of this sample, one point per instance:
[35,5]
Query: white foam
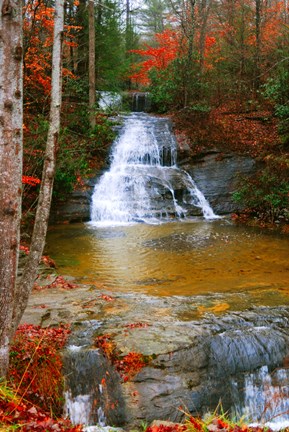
[77,409]
[140,184]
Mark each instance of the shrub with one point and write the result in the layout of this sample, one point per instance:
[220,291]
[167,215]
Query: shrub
[266,194]
[35,366]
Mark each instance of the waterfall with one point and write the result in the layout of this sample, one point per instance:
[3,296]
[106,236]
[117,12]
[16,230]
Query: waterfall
[141,102]
[264,398]
[144,183]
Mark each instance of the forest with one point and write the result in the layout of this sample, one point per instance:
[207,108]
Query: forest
[218,68]
[208,63]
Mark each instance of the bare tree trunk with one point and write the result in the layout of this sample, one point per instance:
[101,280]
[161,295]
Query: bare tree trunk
[44,201]
[92,89]
[189,60]
[204,9]
[127,25]
[11,120]
[191,31]
[258,43]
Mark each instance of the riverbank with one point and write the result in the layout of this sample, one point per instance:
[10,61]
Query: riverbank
[236,158]
[149,355]
[255,133]
[136,338]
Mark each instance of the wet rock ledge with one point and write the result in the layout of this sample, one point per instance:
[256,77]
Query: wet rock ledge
[193,363]
[216,174]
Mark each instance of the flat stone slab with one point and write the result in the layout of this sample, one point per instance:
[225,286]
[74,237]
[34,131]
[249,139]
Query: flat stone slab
[189,362]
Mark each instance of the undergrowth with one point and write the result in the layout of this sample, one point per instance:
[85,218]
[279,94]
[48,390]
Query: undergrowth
[32,397]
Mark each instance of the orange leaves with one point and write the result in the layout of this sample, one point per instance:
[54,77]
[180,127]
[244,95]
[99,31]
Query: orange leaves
[32,181]
[35,366]
[35,388]
[127,365]
[170,45]
[24,249]
[106,297]
[29,417]
[137,325]
[38,25]
[130,364]
[38,34]
[157,57]
[173,427]
[59,282]
[48,261]
[106,344]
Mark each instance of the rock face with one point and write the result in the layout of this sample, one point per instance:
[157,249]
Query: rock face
[190,364]
[76,207]
[216,174]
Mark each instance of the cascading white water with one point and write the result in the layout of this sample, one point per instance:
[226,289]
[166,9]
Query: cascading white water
[144,183]
[265,398]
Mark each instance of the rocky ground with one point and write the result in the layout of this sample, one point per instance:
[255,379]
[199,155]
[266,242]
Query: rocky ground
[143,357]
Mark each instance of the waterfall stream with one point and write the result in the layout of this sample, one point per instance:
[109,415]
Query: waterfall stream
[144,183]
[263,398]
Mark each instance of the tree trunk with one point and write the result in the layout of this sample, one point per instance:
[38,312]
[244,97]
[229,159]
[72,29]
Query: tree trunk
[204,9]
[11,120]
[127,26]
[189,61]
[92,89]
[44,201]
[82,50]
[258,44]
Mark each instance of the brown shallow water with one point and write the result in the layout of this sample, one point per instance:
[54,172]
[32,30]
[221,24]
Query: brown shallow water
[227,266]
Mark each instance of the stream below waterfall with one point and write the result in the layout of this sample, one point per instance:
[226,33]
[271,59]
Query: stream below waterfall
[153,233]
[239,265]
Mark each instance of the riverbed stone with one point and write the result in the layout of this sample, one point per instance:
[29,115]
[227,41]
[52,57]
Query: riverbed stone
[189,363]
[217,175]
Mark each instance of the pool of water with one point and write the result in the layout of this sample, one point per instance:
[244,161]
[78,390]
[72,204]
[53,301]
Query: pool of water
[238,265]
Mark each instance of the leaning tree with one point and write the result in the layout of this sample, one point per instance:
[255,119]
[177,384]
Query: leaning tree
[14,293]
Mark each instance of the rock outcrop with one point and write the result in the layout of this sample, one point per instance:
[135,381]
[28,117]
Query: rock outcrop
[217,175]
[192,365]
[189,363]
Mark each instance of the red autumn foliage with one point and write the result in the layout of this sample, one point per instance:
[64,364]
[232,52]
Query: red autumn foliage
[48,261]
[127,365]
[137,325]
[29,417]
[24,249]
[58,282]
[106,297]
[166,428]
[130,365]
[170,45]
[196,424]
[45,258]
[157,57]
[38,24]
[35,364]
[61,282]
[229,129]
[105,343]
[32,181]
[35,379]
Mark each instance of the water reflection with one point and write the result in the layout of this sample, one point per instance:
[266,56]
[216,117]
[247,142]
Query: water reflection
[178,258]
